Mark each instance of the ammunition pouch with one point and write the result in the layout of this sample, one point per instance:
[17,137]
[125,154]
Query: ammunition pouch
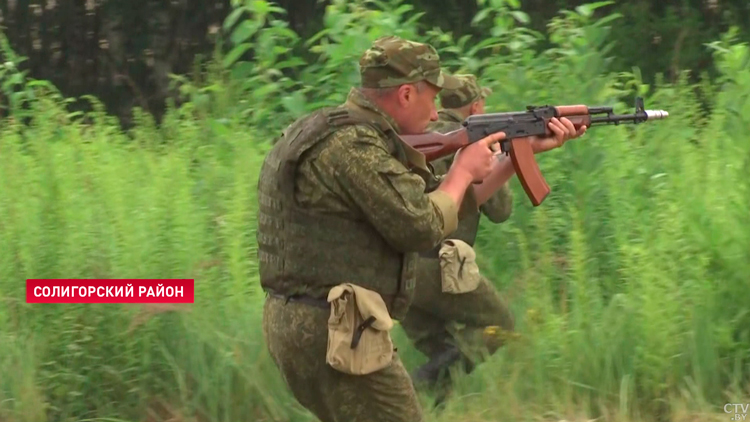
[458,267]
[359,325]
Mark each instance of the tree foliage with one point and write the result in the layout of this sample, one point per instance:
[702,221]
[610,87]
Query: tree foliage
[124,52]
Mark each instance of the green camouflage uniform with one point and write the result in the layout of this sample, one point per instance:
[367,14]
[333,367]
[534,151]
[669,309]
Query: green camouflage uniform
[337,204]
[439,323]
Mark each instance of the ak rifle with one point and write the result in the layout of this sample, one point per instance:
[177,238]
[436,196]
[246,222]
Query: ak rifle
[520,124]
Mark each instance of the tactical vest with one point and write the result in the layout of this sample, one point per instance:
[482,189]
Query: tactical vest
[467,228]
[469,225]
[304,252]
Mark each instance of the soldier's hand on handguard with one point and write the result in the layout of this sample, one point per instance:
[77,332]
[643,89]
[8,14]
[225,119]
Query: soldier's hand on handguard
[476,159]
[562,131]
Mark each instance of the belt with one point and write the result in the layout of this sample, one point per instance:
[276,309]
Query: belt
[433,253]
[307,300]
[320,302]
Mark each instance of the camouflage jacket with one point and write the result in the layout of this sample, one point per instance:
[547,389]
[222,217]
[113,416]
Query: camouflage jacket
[337,203]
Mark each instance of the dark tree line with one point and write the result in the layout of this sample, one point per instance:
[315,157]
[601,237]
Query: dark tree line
[122,51]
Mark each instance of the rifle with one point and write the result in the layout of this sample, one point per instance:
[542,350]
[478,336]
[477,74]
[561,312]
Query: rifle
[520,124]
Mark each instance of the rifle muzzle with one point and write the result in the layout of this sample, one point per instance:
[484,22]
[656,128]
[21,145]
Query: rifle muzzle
[656,114]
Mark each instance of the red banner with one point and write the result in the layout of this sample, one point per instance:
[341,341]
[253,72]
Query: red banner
[110,291]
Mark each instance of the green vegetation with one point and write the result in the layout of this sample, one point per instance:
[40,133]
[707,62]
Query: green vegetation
[629,282]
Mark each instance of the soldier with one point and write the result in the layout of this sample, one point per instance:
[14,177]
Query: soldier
[342,215]
[446,323]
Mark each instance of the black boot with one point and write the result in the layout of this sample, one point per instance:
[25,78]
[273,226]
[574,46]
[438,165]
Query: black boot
[435,374]
[436,368]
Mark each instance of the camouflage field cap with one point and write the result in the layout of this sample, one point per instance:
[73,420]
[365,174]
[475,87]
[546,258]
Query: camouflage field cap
[393,61]
[467,93]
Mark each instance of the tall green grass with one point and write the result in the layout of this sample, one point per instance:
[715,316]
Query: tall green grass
[629,283]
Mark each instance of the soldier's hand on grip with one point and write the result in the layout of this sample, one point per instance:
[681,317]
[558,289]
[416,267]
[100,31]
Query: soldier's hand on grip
[476,159]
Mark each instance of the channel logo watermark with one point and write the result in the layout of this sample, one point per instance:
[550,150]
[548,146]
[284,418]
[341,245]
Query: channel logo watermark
[738,411]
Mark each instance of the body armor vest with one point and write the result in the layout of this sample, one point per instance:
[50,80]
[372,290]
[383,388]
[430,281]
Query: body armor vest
[469,225]
[304,252]
[467,228]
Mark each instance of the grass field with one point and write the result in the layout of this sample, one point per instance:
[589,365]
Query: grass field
[630,283]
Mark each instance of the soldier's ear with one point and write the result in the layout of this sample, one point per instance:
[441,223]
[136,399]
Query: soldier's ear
[476,106]
[406,94]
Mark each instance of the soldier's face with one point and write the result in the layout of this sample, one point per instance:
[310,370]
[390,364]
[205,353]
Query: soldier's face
[417,108]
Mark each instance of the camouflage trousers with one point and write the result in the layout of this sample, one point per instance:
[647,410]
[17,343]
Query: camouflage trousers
[476,322]
[296,335]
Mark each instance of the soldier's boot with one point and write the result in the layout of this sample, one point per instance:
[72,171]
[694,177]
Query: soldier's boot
[435,374]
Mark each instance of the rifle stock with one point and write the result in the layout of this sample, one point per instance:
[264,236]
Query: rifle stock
[517,126]
[436,145]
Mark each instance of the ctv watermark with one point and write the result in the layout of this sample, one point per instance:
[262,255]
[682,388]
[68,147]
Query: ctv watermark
[110,291]
[739,411]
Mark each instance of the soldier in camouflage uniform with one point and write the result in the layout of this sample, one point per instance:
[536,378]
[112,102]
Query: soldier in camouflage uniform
[446,326]
[343,212]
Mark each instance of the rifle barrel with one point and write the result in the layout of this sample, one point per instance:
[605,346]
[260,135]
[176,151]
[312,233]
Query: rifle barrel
[631,118]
